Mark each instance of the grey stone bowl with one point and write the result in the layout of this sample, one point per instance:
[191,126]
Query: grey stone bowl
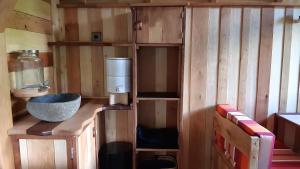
[54,107]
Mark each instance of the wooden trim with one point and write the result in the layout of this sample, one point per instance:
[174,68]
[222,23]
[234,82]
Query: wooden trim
[179,4]
[236,136]
[159,45]
[93,5]
[16,152]
[86,43]
[25,136]
[243,4]
[161,4]
[23,21]
[72,162]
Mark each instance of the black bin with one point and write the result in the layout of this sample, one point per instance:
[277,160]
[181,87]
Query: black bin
[116,155]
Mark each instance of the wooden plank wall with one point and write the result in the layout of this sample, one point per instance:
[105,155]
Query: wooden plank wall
[29,27]
[82,69]
[6,161]
[246,57]
[6,157]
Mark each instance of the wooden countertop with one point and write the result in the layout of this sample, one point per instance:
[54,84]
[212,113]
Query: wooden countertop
[72,127]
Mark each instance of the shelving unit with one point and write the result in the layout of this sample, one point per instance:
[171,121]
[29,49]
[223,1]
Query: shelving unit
[157,65]
[86,43]
[156,68]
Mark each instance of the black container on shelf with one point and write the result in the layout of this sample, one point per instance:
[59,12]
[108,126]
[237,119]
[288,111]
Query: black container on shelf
[157,138]
[158,162]
[116,155]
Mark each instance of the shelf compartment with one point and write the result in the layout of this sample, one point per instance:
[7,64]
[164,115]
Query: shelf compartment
[157,138]
[88,43]
[157,96]
[158,69]
[117,107]
[156,150]
[159,44]
[94,5]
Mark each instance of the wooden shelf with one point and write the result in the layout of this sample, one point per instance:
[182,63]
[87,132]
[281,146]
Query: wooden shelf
[117,107]
[157,96]
[94,5]
[156,150]
[159,45]
[87,43]
[176,4]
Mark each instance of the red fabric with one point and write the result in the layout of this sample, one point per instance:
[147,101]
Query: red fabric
[223,109]
[249,126]
[286,165]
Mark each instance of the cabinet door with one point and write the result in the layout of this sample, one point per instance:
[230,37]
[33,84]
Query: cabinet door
[42,154]
[86,147]
[159,25]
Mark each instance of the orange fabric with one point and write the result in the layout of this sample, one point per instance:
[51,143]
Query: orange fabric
[223,109]
[249,126]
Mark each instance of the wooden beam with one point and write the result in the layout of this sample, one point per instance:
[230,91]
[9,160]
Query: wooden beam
[28,22]
[5,7]
[6,158]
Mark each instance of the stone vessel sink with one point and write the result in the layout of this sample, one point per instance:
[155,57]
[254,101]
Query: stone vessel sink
[54,107]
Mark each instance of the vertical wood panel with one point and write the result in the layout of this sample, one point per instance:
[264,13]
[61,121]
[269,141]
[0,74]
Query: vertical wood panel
[290,63]
[72,53]
[59,52]
[40,154]
[160,85]
[122,126]
[229,55]
[249,61]
[60,157]
[98,79]
[264,67]
[156,21]
[87,149]
[203,81]
[6,122]
[23,153]
[275,74]
[185,123]
[85,53]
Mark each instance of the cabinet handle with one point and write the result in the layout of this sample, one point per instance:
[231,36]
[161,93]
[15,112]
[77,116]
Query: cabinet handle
[94,132]
[138,25]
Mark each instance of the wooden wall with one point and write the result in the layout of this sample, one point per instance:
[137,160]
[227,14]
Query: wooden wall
[29,27]
[25,24]
[246,57]
[6,158]
[82,69]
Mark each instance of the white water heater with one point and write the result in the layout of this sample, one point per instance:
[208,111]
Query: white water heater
[118,79]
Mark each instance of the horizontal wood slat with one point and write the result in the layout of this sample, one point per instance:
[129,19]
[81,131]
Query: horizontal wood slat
[178,4]
[23,21]
[78,43]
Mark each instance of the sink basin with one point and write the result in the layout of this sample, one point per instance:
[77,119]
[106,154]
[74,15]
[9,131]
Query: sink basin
[54,107]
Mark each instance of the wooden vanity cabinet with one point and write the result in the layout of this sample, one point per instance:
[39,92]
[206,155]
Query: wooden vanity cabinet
[159,24]
[71,144]
[56,152]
